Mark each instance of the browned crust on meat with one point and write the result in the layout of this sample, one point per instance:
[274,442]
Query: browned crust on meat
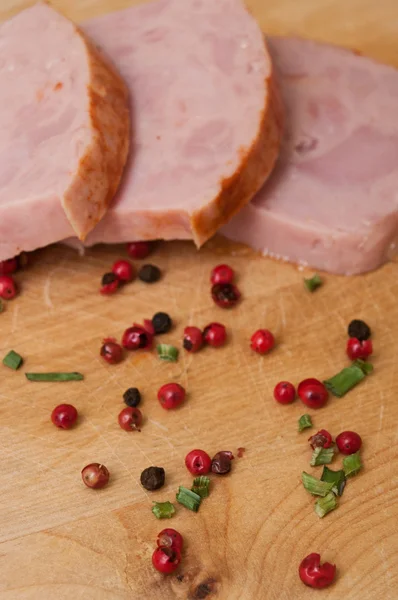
[100,169]
[255,167]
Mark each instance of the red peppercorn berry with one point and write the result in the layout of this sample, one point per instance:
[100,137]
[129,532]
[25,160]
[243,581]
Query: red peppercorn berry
[322,439]
[110,283]
[348,442]
[130,419]
[139,250]
[313,393]
[357,349]
[8,289]
[171,395]
[64,416]
[123,270]
[111,351]
[137,337]
[284,392]
[170,538]
[315,575]
[222,274]
[8,267]
[95,476]
[225,295]
[193,339]
[215,334]
[165,559]
[198,462]
[262,341]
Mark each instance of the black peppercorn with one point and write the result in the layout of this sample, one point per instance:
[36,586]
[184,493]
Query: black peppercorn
[221,462]
[152,478]
[132,397]
[161,322]
[149,273]
[108,278]
[359,329]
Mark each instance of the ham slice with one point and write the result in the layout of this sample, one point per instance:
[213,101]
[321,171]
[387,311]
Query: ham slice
[207,117]
[332,201]
[64,131]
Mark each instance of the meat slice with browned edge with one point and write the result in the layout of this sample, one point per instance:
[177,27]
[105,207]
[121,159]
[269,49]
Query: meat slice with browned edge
[332,201]
[206,116]
[64,131]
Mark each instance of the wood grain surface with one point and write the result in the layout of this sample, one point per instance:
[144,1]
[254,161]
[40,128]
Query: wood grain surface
[60,540]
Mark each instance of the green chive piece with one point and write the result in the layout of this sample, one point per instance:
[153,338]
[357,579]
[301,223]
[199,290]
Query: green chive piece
[324,505]
[336,477]
[322,456]
[167,352]
[315,486]
[348,378]
[163,510]
[201,486]
[304,422]
[1,306]
[188,498]
[352,464]
[13,360]
[54,376]
[314,283]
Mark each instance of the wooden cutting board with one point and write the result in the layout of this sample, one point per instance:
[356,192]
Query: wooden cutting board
[62,541]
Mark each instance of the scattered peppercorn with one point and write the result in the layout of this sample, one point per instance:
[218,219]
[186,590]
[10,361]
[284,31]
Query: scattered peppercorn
[262,341]
[348,442]
[165,559]
[8,289]
[8,267]
[284,392]
[359,349]
[109,283]
[95,476]
[193,339]
[225,295]
[171,395]
[123,270]
[322,439]
[130,419]
[139,250]
[162,323]
[215,335]
[152,478]
[222,274]
[315,575]
[221,462]
[132,397]
[136,337]
[170,538]
[198,462]
[149,273]
[111,351]
[359,329]
[64,416]
[313,393]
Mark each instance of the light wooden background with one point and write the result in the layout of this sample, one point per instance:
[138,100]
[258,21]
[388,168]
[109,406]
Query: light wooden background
[62,541]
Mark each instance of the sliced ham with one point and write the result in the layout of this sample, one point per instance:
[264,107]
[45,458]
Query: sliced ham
[207,117]
[332,201]
[64,131]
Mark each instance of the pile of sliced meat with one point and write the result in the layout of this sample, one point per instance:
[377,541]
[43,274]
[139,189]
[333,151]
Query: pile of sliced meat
[213,112]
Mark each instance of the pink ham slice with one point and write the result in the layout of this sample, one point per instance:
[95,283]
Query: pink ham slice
[332,201]
[64,131]
[207,118]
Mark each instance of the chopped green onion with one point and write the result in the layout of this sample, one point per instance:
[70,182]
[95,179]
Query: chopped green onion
[304,422]
[188,498]
[201,486]
[336,477]
[167,352]
[322,456]
[324,505]
[348,378]
[54,376]
[352,464]
[315,486]
[163,510]
[314,283]
[13,360]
